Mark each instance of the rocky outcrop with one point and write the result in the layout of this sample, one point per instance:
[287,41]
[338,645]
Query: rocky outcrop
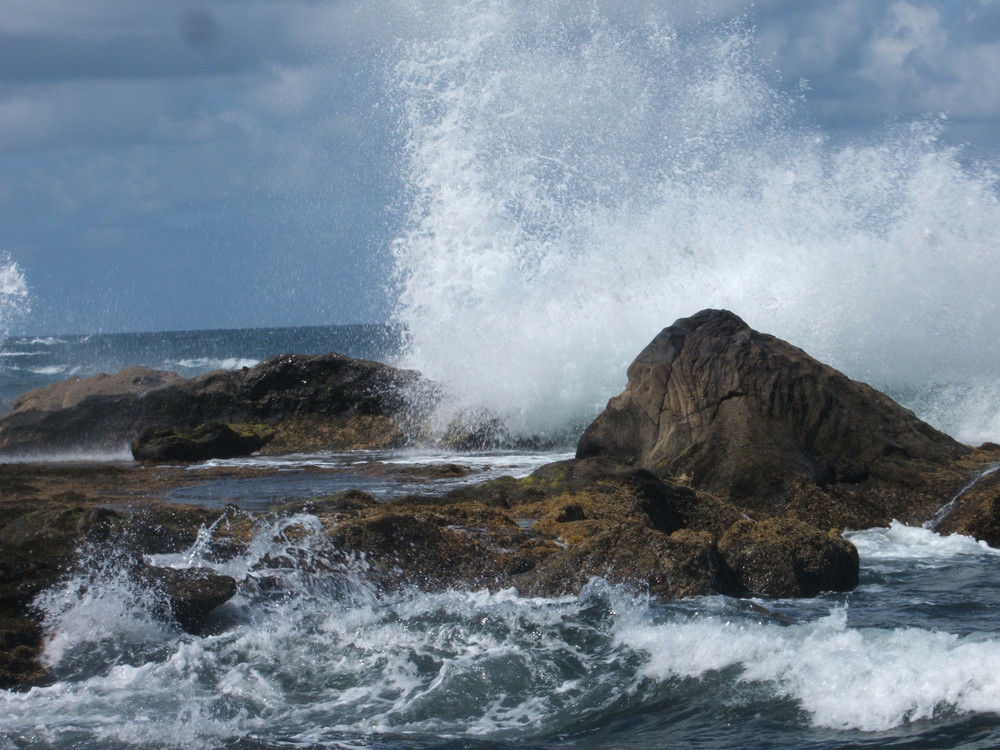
[327,402]
[718,407]
[41,547]
[551,532]
[730,464]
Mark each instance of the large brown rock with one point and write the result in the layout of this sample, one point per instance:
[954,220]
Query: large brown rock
[320,402]
[721,408]
[780,557]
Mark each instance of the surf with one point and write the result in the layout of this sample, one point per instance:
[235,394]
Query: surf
[578,177]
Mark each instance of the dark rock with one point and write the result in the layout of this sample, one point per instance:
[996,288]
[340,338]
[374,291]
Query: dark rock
[328,402]
[192,593]
[214,440]
[20,648]
[716,406]
[785,558]
[975,511]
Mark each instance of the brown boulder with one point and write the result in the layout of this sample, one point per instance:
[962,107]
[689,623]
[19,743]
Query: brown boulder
[785,558]
[721,408]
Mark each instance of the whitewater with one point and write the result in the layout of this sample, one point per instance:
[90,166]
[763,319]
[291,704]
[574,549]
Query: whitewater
[575,177]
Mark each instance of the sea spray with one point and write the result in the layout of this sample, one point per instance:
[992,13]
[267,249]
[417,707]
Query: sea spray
[15,299]
[579,178]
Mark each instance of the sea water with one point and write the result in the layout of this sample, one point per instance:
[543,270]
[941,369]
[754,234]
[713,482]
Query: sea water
[321,659]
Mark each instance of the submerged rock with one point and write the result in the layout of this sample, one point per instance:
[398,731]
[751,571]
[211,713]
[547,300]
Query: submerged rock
[721,408]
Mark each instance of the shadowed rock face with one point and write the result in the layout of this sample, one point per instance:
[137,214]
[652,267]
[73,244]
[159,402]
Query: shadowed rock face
[746,416]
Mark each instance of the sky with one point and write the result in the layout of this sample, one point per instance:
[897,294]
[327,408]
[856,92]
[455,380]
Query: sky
[200,164]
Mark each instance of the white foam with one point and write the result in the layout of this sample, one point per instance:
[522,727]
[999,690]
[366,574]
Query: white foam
[902,542]
[204,364]
[54,370]
[868,679]
[580,179]
[123,453]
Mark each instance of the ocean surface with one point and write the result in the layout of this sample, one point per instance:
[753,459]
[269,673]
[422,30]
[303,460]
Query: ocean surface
[573,177]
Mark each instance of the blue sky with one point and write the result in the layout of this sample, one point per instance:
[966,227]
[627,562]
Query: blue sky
[234,163]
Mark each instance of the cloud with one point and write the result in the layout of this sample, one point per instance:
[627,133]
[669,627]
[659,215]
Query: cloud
[236,130]
[867,62]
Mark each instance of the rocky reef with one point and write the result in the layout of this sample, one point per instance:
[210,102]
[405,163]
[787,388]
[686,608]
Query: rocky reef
[730,464]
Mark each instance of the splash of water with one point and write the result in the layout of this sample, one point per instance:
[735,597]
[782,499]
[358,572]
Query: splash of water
[581,177]
[15,300]
[309,654]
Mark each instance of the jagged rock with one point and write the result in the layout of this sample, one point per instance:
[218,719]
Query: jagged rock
[721,408]
[214,440]
[329,402]
[785,558]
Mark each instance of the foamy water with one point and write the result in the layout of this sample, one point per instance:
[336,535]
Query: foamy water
[580,178]
[309,654]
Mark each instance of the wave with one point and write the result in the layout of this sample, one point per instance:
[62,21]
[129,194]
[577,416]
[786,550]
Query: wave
[309,653]
[579,178]
[902,542]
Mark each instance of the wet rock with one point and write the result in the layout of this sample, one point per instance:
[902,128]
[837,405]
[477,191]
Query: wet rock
[20,649]
[784,558]
[326,402]
[214,440]
[192,593]
[669,566]
[975,511]
[755,421]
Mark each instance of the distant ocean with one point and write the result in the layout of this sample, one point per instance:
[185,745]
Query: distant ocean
[28,362]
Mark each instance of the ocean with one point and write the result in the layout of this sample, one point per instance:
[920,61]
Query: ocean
[575,177]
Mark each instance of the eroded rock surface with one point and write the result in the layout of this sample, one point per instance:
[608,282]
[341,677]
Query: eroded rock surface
[721,408]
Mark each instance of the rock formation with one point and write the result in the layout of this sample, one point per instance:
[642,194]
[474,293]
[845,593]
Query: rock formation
[721,408]
[730,464]
[328,402]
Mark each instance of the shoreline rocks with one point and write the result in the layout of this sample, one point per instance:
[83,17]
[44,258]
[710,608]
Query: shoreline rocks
[311,402]
[716,406]
[730,464]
